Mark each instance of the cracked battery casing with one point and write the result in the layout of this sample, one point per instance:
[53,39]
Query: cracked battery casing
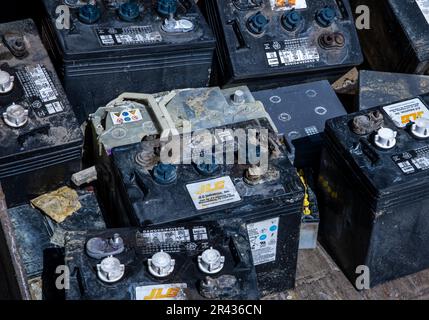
[271,208]
[374,213]
[102,58]
[262,42]
[398,37]
[184,276]
[41,139]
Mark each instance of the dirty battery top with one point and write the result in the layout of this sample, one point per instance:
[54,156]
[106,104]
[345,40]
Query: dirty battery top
[386,147]
[107,26]
[260,39]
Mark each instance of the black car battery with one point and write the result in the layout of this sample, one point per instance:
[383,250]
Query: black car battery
[374,192]
[397,39]
[40,243]
[262,42]
[299,113]
[381,88]
[134,117]
[269,200]
[121,46]
[193,261]
[41,139]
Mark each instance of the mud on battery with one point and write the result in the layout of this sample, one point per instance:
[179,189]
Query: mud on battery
[262,41]
[269,201]
[128,46]
[192,261]
[374,213]
[40,137]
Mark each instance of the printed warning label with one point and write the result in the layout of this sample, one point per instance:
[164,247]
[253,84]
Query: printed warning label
[413,161]
[278,5]
[162,292]
[291,52]
[213,193]
[40,91]
[134,35]
[126,116]
[424,8]
[165,236]
[263,240]
[405,112]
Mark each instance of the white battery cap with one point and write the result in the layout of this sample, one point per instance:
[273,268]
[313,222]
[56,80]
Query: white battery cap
[385,138]
[211,261]
[420,128]
[110,270]
[161,264]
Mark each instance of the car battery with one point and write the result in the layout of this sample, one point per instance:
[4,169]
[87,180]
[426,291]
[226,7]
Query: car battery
[134,117]
[121,46]
[299,113]
[41,139]
[262,42]
[269,201]
[40,240]
[193,261]
[380,88]
[398,37]
[374,191]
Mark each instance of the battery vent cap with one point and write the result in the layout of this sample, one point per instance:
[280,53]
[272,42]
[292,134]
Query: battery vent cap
[385,138]
[129,11]
[110,270]
[161,265]
[211,261]
[89,14]
[420,128]
[6,82]
[325,17]
[15,116]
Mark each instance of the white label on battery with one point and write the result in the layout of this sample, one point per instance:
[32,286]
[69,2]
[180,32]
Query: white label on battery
[162,292]
[291,52]
[278,5]
[126,116]
[43,86]
[213,193]
[405,112]
[263,240]
[166,236]
[200,233]
[424,7]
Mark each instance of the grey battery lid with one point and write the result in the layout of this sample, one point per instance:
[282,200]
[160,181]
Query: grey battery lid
[203,108]
[380,88]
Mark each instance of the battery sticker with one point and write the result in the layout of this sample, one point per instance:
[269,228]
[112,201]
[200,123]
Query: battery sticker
[40,91]
[134,35]
[263,240]
[413,161]
[213,193]
[290,52]
[126,116]
[200,233]
[278,5]
[424,8]
[162,292]
[405,112]
[165,236]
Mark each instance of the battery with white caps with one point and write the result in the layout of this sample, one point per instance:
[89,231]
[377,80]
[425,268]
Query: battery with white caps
[180,261]
[39,133]
[373,188]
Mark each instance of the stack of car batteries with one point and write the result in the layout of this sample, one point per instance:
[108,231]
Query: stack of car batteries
[40,137]
[374,186]
[263,41]
[397,39]
[108,47]
[269,200]
[192,261]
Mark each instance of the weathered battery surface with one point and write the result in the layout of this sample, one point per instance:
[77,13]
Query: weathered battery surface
[380,88]
[193,261]
[40,137]
[271,205]
[299,113]
[374,192]
[121,46]
[38,241]
[398,36]
[262,42]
